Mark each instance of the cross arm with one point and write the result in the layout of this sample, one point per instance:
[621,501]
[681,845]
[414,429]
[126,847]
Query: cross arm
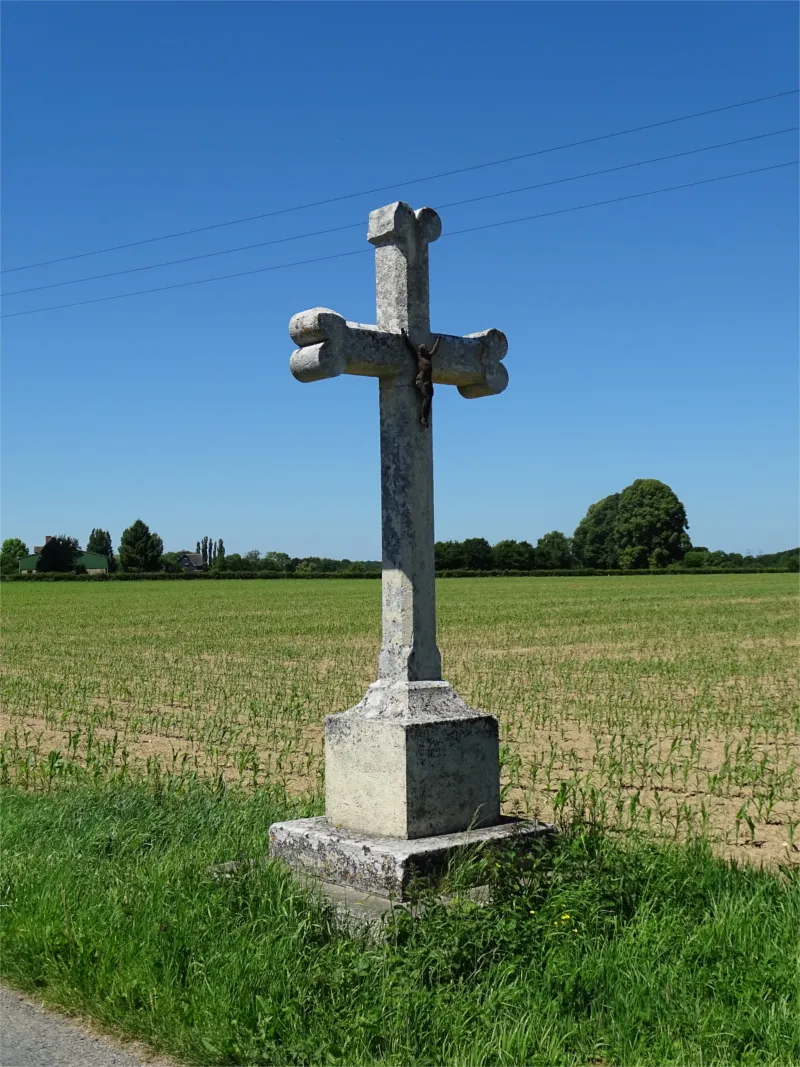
[472,363]
[329,345]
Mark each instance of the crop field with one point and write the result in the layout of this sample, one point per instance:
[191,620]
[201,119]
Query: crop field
[663,704]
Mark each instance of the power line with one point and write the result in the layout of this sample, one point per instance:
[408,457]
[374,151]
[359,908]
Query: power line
[362,251]
[619,199]
[354,225]
[183,285]
[410,181]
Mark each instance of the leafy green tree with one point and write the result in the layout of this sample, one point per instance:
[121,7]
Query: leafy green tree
[59,554]
[650,525]
[10,552]
[477,554]
[715,559]
[218,555]
[594,542]
[449,556]
[309,565]
[276,561]
[253,560]
[553,552]
[632,558]
[169,562]
[697,557]
[139,549]
[789,558]
[513,556]
[100,541]
[659,558]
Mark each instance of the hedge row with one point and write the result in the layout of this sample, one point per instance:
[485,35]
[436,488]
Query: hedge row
[195,576]
[182,576]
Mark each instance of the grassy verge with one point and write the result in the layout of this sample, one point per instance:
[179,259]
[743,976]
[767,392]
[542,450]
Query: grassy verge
[605,952]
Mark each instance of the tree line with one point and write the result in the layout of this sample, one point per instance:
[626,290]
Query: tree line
[642,527]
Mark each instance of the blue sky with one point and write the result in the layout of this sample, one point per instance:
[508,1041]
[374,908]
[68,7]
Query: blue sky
[654,338]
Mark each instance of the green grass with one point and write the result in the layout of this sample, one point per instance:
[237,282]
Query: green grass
[151,730]
[601,953]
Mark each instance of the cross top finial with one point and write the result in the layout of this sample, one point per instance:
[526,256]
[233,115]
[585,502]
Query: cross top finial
[401,237]
[398,223]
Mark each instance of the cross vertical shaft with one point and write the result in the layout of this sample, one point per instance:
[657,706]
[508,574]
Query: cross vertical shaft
[408,649]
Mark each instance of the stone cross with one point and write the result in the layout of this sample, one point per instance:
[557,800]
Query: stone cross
[412,773]
[328,345]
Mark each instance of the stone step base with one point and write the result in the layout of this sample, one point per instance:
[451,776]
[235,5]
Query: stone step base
[385,866]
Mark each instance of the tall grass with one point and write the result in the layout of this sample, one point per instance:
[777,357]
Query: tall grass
[598,951]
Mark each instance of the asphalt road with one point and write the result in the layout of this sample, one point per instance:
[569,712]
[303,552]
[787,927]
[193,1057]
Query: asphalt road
[33,1036]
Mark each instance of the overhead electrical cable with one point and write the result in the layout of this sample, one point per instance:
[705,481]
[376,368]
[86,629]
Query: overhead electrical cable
[363,251]
[355,225]
[410,181]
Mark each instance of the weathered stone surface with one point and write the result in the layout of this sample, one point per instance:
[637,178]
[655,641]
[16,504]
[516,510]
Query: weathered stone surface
[384,866]
[328,345]
[411,760]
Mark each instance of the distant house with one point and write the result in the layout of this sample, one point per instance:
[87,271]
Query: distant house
[94,562]
[191,561]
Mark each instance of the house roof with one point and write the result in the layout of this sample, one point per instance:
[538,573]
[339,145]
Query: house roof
[195,558]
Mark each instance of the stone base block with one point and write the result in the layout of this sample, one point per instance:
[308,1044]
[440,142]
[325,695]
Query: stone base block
[412,760]
[384,866]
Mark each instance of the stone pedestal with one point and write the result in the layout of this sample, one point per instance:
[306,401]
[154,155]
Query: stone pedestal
[411,760]
[385,867]
[412,779]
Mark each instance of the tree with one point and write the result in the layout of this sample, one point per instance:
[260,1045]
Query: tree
[650,525]
[59,554]
[100,541]
[169,562]
[218,555]
[513,556]
[449,556]
[276,561]
[10,553]
[477,554]
[204,550]
[308,565]
[698,557]
[553,552]
[198,548]
[594,541]
[139,549]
